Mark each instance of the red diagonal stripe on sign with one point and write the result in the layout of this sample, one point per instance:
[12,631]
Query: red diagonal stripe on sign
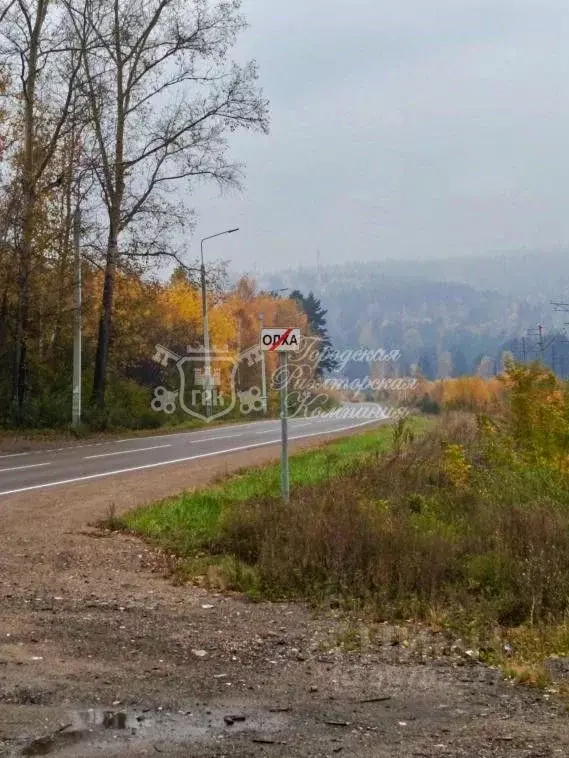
[282,339]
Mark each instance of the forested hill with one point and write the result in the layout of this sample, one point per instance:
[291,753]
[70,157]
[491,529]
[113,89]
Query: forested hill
[527,273]
[443,315]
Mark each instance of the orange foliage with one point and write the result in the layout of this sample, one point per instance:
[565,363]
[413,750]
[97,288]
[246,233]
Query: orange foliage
[150,312]
[471,393]
[250,310]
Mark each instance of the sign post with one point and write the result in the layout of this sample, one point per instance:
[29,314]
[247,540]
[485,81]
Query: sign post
[282,341]
[285,480]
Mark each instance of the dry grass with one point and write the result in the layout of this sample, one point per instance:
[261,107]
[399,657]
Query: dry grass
[428,526]
[465,527]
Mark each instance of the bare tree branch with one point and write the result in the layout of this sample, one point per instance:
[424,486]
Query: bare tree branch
[162,99]
[4,12]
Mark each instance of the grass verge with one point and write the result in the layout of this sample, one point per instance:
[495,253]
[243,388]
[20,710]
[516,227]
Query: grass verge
[468,525]
[191,523]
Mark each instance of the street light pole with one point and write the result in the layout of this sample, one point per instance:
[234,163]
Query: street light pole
[77,318]
[239,327]
[207,356]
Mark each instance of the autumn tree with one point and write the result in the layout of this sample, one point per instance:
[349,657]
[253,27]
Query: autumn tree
[252,309]
[163,96]
[35,49]
[316,315]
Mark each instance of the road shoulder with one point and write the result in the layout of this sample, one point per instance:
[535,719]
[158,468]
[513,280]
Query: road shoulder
[91,624]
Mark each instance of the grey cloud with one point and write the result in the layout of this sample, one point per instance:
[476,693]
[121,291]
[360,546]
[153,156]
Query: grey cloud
[408,130]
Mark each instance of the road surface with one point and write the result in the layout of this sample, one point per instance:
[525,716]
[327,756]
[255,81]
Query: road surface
[89,628]
[43,469]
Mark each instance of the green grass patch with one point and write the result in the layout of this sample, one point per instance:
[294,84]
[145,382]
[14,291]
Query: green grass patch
[190,522]
[467,523]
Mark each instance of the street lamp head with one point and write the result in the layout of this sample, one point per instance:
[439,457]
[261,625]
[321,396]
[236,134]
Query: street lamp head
[219,234]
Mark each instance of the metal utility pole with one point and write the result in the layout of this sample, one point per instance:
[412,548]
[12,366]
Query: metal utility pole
[542,343]
[561,307]
[207,359]
[239,326]
[207,356]
[77,321]
[557,358]
[263,370]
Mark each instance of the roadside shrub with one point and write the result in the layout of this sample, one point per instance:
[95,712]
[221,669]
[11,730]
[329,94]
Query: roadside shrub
[466,393]
[441,524]
[127,407]
[429,406]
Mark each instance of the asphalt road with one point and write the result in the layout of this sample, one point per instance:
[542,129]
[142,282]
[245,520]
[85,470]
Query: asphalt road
[43,469]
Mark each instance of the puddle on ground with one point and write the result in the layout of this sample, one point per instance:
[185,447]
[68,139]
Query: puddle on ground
[204,723]
[197,721]
[97,718]
[201,723]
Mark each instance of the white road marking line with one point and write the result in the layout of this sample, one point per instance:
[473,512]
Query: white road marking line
[71,448]
[21,468]
[178,460]
[195,432]
[42,451]
[125,452]
[219,437]
[296,426]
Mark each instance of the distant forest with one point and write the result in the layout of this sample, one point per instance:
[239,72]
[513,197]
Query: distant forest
[446,327]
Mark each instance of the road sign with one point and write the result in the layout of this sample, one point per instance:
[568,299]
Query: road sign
[280,340]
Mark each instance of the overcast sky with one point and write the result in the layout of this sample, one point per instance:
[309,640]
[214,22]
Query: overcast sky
[406,129]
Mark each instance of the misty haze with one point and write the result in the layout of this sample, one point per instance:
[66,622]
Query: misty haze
[284,378]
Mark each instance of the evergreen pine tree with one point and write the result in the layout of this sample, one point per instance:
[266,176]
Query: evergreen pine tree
[316,315]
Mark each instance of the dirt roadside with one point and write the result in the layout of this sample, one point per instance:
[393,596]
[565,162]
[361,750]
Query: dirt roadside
[101,656]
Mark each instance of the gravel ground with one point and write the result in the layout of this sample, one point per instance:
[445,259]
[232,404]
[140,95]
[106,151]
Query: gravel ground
[100,655]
